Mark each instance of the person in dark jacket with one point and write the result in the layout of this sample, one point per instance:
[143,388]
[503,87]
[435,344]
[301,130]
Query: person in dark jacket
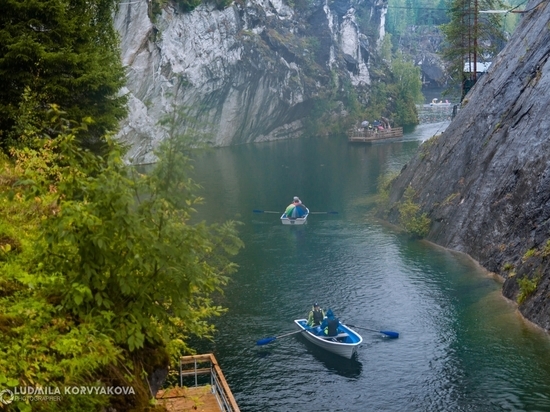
[330,324]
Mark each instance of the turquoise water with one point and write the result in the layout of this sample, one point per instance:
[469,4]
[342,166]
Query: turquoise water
[462,347]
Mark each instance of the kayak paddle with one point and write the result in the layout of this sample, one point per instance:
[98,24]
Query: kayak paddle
[324,213]
[265,211]
[388,333]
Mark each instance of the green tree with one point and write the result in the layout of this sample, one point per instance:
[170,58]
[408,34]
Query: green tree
[102,276]
[66,52]
[398,89]
[471,36]
[409,89]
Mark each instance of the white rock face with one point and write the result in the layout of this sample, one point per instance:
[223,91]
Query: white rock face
[248,73]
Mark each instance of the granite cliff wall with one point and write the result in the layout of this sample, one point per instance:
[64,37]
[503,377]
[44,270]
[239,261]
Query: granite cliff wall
[248,73]
[485,182]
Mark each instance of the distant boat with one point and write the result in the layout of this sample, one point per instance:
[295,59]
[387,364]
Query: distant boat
[344,344]
[440,103]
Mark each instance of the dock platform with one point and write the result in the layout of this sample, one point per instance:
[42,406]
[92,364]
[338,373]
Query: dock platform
[373,135]
[213,397]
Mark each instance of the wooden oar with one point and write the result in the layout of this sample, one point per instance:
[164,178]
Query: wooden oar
[324,213]
[265,341]
[266,211]
[388,333]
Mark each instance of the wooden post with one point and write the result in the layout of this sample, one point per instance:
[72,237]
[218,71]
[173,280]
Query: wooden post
[475,38]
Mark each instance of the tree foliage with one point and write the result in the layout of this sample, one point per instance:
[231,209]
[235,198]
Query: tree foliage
[101,273]
[405,14]
[415,223]
[66,52]
[409,87]
[397,90]
[471,36]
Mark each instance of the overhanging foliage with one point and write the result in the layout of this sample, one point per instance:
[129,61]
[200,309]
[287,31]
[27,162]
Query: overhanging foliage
[101,273]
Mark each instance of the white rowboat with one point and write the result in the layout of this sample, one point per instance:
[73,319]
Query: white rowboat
[294,221]
[344,344]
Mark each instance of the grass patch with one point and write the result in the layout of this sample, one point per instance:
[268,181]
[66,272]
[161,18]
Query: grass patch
[529,253]
[415,223]
[507,267]
[526,288]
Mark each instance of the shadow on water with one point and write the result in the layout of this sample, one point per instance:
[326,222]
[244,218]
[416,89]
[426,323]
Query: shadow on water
[348,368]
[262,353]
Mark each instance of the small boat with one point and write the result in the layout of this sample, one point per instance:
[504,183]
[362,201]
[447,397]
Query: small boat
[360,135]
[294,220]
[440,103]
[344,344]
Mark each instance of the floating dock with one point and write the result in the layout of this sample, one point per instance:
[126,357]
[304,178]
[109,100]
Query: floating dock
[373,135]
[213,397]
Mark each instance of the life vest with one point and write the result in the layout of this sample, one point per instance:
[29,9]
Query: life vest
[317,317]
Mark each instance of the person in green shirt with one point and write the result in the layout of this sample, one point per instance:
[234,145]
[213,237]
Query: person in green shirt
[316,316]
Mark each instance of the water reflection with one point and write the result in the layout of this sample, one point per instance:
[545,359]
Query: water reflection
[348,368]
[461,346]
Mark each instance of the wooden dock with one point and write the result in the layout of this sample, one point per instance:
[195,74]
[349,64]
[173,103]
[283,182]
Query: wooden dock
[213,397]
[373,135]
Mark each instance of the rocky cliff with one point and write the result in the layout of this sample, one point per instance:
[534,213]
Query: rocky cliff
[251,72]
[424,44]
[485,182]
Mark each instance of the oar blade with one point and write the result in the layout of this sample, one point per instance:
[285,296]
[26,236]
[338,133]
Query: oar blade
[265,341]
[390,334]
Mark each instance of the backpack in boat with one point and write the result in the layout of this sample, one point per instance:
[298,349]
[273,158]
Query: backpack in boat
[332,327]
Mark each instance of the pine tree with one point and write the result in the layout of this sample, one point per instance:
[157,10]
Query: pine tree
[65,52]
[471,36]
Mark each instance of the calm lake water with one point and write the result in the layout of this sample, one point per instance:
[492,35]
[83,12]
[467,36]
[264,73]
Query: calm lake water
[462,347]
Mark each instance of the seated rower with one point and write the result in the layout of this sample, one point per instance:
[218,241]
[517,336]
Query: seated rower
[316,316]
[330,324]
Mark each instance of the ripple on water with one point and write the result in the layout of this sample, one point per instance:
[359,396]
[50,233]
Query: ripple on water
[461,346]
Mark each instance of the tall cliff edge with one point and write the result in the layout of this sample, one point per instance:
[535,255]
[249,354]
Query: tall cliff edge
[248,73]
[485,182]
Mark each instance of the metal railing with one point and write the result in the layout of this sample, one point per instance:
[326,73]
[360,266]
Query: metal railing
[208,365]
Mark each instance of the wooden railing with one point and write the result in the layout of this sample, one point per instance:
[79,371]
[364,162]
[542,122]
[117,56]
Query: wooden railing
[367,135]
[196,365]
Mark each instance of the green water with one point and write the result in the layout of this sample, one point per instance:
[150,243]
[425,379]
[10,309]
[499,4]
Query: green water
[462,347]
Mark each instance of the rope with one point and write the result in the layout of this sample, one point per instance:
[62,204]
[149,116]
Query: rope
[526,11]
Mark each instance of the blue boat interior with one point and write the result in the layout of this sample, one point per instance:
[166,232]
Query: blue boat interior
[345,334]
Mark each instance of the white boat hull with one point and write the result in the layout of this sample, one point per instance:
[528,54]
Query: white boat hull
[294,221]
[345,347]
